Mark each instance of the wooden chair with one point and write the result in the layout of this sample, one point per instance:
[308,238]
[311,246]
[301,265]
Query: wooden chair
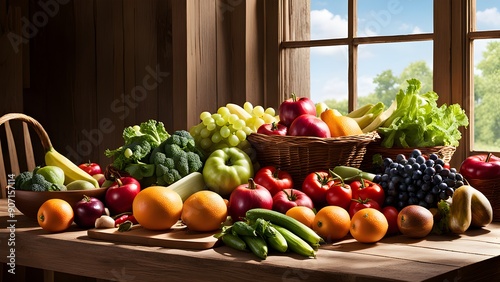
[7,177]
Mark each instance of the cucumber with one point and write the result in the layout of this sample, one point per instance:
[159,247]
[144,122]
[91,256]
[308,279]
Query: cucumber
[243,229]
[277,218]
[234,242]
[276,240]
[295,243]
[257,245]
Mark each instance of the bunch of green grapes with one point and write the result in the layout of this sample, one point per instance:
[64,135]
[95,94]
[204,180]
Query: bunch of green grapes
[230,127]
[259,115]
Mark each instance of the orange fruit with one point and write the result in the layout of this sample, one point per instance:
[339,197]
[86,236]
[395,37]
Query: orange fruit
[55,215]
[368,225]
[303,214]
[340,125]
[204,211]
[415,221]
[331,223]
[157,208]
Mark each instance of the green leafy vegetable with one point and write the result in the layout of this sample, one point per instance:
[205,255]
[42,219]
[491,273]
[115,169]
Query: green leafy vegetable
[441,226]
[139,141]
[419,122]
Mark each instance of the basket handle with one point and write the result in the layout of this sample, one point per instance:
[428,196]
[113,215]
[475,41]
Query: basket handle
[42,134]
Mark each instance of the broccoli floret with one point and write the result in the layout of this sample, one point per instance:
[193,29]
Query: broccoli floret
[181,138]
[194,162]
[172,150]
[38,188]
[21,179]
[161,170]
[158,158]
[132,153]
[171,176]
[38,179]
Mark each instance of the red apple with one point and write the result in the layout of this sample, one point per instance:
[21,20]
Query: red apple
[120,195]
[290,109]
[309,125]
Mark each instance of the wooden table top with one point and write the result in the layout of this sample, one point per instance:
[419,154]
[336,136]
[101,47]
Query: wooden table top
[472,256]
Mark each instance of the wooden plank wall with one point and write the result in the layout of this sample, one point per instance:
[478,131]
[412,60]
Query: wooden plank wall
[99,66]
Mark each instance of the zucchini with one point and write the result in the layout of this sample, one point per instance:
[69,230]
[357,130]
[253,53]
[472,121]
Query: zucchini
[243,229]
[277,218]
[234,241]
[257,245]
[275,239]
[295,243]
[188,185]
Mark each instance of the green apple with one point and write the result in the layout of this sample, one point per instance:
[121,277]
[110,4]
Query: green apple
[227,168]
[80,185]
[320,107]
[52,174]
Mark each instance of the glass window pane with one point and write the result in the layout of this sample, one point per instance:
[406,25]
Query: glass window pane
[486,95]
[384,68]
[487,15]
[329,82]
[328,19]
[394,17]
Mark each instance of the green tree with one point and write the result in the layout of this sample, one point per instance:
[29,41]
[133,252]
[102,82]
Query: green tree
[486,99]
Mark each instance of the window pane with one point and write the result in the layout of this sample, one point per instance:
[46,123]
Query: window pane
[486,95]
[384,68]
[394,17]
[487,14]
[328,19]
[329,82]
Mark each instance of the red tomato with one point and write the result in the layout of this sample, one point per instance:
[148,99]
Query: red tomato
[391,214]
[359,204]
[366,189]
[339,194]
[273,129]
[289,198]
[273,179]
[315,186]
[91,168]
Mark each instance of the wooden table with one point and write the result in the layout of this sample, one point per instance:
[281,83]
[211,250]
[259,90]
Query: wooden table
[468,257]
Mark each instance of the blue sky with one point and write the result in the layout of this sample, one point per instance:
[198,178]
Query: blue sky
[377,17]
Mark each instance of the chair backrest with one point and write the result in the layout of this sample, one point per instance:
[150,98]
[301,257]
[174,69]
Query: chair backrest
[6,177]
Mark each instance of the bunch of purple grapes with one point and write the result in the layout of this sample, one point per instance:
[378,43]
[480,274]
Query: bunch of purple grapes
[417,181]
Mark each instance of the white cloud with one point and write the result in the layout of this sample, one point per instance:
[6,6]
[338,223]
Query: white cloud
[490,17]
[333,88]
[324,24]
[416,30]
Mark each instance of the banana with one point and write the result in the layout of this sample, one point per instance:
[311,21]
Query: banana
[380,119]
[365,120]
[360,111]
[239,111]
[71,170]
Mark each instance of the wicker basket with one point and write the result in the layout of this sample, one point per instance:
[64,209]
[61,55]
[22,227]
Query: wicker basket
[301,155]
[491,189]
[374,148]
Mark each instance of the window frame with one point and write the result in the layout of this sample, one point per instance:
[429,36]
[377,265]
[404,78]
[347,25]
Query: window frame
[452,37]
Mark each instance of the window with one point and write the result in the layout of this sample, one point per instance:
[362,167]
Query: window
[363,51]
[484,39]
